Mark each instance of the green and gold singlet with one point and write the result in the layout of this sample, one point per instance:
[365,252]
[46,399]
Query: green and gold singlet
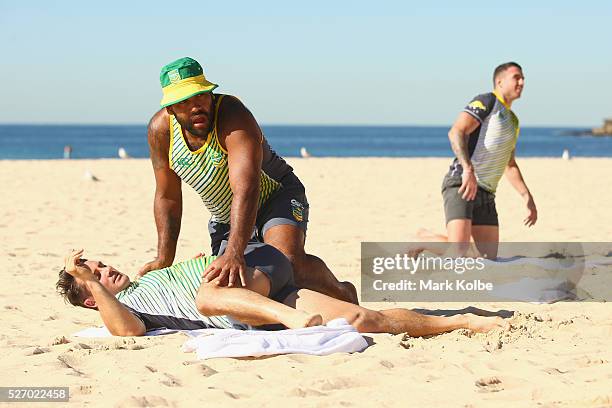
[207,171]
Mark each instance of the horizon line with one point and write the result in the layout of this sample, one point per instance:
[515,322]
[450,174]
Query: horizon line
[287,125]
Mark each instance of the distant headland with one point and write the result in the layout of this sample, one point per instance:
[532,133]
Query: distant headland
[605,130]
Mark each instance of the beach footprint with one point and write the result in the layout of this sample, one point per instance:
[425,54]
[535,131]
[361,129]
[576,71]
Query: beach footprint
[170,380]
[489,384]
[500,383]
[73,362]
[337,383]
[306,392]
[144,401]
[586,361]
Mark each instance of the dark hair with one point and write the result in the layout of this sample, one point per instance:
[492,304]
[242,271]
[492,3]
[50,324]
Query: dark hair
[501,68]
[69,288]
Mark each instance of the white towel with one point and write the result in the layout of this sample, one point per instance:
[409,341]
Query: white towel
[336,337]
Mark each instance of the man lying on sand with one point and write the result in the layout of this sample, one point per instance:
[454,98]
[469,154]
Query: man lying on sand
[175,297]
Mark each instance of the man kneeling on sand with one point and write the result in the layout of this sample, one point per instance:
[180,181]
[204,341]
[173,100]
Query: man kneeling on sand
[177,298]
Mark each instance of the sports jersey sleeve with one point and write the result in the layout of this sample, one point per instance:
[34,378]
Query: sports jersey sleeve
[480,107]
[154,321]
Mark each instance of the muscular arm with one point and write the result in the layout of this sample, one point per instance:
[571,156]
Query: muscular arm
[458,136]
[168,204]
[514,176]
[242,139]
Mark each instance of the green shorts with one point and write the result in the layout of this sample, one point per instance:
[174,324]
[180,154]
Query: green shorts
[481,210]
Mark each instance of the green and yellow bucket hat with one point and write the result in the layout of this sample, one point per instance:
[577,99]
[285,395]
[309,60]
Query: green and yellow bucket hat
[182,79]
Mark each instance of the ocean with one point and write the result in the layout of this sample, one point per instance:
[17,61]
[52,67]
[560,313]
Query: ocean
[103,141]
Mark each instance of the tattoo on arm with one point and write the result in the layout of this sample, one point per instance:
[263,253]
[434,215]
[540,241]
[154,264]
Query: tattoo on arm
[460,147]
[157,161]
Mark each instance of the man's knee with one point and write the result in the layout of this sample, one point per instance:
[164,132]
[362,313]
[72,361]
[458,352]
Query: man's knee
[297,259]
[273,269]
[206,299]
[299,262]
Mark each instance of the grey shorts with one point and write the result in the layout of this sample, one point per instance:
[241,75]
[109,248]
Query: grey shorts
[287,206]
[481,210]
[273,264]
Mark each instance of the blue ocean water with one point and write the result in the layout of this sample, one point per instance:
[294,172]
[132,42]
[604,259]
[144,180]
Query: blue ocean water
[103,141]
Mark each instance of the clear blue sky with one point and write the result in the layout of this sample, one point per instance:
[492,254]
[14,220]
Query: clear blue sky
[316,62]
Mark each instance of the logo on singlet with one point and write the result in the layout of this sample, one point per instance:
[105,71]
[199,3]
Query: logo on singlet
[217,159]
[184,162]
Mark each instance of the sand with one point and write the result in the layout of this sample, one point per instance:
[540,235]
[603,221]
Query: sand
[552,355]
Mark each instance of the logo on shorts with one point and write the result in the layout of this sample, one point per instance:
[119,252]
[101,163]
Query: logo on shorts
[174,76]
[297,209]
[477,105]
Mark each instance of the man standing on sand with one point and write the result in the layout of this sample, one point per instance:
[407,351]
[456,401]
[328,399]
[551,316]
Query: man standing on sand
[213,143]
[483,139]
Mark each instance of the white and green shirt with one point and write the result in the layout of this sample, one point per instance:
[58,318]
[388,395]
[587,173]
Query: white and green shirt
[166,298]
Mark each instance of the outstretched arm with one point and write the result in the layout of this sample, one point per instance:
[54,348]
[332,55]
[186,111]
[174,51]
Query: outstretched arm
[242,139]
[514,176]
[116,317]
[168,204]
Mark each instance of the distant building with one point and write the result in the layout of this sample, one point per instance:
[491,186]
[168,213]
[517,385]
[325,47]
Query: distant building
[605,130]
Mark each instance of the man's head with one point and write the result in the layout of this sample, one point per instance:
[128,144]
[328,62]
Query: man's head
[74,291]
[188,95]
[509,81]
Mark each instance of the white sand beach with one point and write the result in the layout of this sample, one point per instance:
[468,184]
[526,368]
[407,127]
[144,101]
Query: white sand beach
[555,355]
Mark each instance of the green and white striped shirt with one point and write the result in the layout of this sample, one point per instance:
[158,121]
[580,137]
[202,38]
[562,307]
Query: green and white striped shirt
[166,298]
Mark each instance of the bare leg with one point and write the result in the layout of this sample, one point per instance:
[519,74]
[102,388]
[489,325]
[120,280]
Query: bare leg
[459,230]
[460,233]
[309,271]
[393,321]
[250,305]
[486,238]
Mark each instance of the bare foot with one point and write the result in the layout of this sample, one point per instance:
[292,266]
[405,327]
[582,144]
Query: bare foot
[482,324]
[427,235]
[298,320]
[423,233]
[415,251]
